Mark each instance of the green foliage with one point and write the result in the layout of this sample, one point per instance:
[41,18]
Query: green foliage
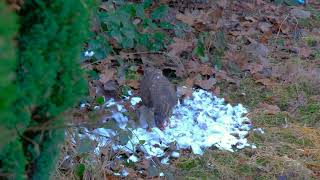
[310,114]
[12,160]
[128,26]
[11,152]
[100,100]
[48,82]
[8,29]
[50,148]
[188,164]
[79,170]
[211,46]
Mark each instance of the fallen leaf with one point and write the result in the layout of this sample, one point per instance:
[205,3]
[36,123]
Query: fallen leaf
[188,19]
[305,52]
[285,28]
[184,91]
[266,36]
[267,82]
[201,20]
[135,84]
[238,58]
[205,84]
[222,3]
[222,75]
[315,98]
[255,68]
[258,49]
[189,82]
[206,70]
[269,109]
[193,66]
[107,75]
[217,90]
[179,45]
[264,27]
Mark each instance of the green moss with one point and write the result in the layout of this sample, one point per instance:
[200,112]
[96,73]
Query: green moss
[257,138]
[187,164]
[245,169]
[310,114]
[224,158]
[290,137]
[271,120]
[249,93]
[262,161]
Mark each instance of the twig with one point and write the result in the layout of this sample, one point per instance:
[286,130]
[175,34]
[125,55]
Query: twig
[281,26]
[64,126]
[175,59]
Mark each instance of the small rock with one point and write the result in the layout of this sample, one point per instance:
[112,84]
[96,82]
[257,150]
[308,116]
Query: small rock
[264,26]
[299,13]
[258,49]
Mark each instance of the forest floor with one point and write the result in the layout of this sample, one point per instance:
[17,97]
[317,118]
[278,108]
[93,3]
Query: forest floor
[262,55]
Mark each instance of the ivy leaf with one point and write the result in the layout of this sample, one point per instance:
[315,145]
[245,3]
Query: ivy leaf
[278,2]
[93,75]
[127,43]
[100,100]
[143,39]
[79,170]
[159,12]
[127,10]
[166,25]
[146,3]
[147,23]
[116,34]
[99,47]
[158,36]
[199,51]
[139,11]
[129,31]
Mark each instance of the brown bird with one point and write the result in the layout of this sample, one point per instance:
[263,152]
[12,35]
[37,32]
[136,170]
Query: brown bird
[159,94]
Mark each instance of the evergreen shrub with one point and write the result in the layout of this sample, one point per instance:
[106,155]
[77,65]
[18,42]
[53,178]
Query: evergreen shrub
[48,80]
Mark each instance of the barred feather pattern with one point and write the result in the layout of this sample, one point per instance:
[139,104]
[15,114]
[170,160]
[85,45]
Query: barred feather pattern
[158,93]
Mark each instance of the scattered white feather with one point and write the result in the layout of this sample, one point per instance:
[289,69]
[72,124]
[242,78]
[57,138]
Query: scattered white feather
[83,105]
[135,100]
[260,130]
[88,53]
[124,173]
[175,154]
[133,158]
[197,123]
[165,161]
